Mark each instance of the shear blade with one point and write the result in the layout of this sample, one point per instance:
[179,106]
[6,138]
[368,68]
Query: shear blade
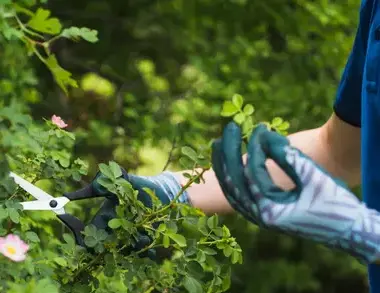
[45,205]
[30,188]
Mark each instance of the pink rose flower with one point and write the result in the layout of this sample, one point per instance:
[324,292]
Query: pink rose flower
[58,121]
[13,247]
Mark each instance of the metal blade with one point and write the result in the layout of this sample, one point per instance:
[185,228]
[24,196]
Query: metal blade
[45,205]
[32,189]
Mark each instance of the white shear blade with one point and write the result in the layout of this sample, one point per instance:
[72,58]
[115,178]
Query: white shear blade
[29,187]
[44,205]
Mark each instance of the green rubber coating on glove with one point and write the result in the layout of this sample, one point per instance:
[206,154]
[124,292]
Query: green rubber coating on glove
[263,145]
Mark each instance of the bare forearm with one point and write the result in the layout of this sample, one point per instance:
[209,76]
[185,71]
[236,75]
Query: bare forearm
[209,197]
[330,146]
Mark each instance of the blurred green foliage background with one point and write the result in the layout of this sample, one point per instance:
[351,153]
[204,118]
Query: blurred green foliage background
[160,73]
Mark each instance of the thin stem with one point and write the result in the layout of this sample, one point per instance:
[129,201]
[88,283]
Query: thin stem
[25,29]
[211,242]
[153,244]
[187,185]
[90,264]
[38,54]
[174,145]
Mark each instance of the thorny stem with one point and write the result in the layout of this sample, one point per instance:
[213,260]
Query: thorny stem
[184,187]
[90,264]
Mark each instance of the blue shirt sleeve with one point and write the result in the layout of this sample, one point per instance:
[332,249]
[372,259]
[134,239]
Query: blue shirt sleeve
[347,104]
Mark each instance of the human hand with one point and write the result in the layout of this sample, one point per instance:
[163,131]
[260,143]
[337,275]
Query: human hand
[319,208]
[165,186]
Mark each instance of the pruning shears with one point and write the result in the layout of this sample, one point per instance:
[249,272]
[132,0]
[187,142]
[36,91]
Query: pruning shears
[46,202]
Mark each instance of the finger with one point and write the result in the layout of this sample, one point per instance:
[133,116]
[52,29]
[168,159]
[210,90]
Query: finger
[227,186]
[106,213]
[277,147]
[233,165]
[259,150]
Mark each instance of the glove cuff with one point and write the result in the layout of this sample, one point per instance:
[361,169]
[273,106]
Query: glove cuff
[365,236]
[169,182]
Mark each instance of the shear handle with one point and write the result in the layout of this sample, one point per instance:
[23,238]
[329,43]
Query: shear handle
[75,225]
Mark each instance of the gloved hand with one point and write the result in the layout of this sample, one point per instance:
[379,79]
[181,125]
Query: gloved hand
[319,208]
[165,185]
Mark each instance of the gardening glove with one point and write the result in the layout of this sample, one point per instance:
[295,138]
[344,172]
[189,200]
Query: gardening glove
[319,208]
[165,185]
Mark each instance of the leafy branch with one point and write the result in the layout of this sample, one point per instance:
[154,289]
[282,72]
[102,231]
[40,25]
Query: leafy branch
[243,116]
[38,32]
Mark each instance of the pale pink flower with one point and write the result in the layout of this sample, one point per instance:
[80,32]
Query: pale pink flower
[58,121]
[13,247]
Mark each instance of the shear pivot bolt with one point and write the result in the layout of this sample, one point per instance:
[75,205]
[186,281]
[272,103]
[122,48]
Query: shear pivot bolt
[53,203]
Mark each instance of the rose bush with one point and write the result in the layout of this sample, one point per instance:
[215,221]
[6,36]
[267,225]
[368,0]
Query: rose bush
[199,245]
[38,254]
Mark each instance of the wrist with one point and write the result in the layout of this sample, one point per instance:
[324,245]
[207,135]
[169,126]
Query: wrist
[167,186]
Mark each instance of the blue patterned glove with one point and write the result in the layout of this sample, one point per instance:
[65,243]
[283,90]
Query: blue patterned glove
[166,187]
[319,208]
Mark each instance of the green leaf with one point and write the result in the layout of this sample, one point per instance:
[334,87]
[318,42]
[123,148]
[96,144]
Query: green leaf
[218,281]
[277,121]
[101,235]
[3,214]
[61,76]
[106,183]
[191,247]
[177,238]
[116,170]
[226,231]
[248,109]
[42,23]
[69,239]
[212,222]
[62,156]
[247,125]
[192,285]
[226,283]
[46,286]
[186,163]
[209,251]
[90,230]
[284,126]
[237,100]
[235,257]
[195,270]
[172,227]
[90,241]
[106,171]
[229,109]
[127,186]
[85,33]
[32,236]
[69,135]
[161,228]
[202,225]
[14,215]
[190,153]
[201,256]
[218,231]
[239,118]
[227,251]
[11,33]
[166,241]
[61,261]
